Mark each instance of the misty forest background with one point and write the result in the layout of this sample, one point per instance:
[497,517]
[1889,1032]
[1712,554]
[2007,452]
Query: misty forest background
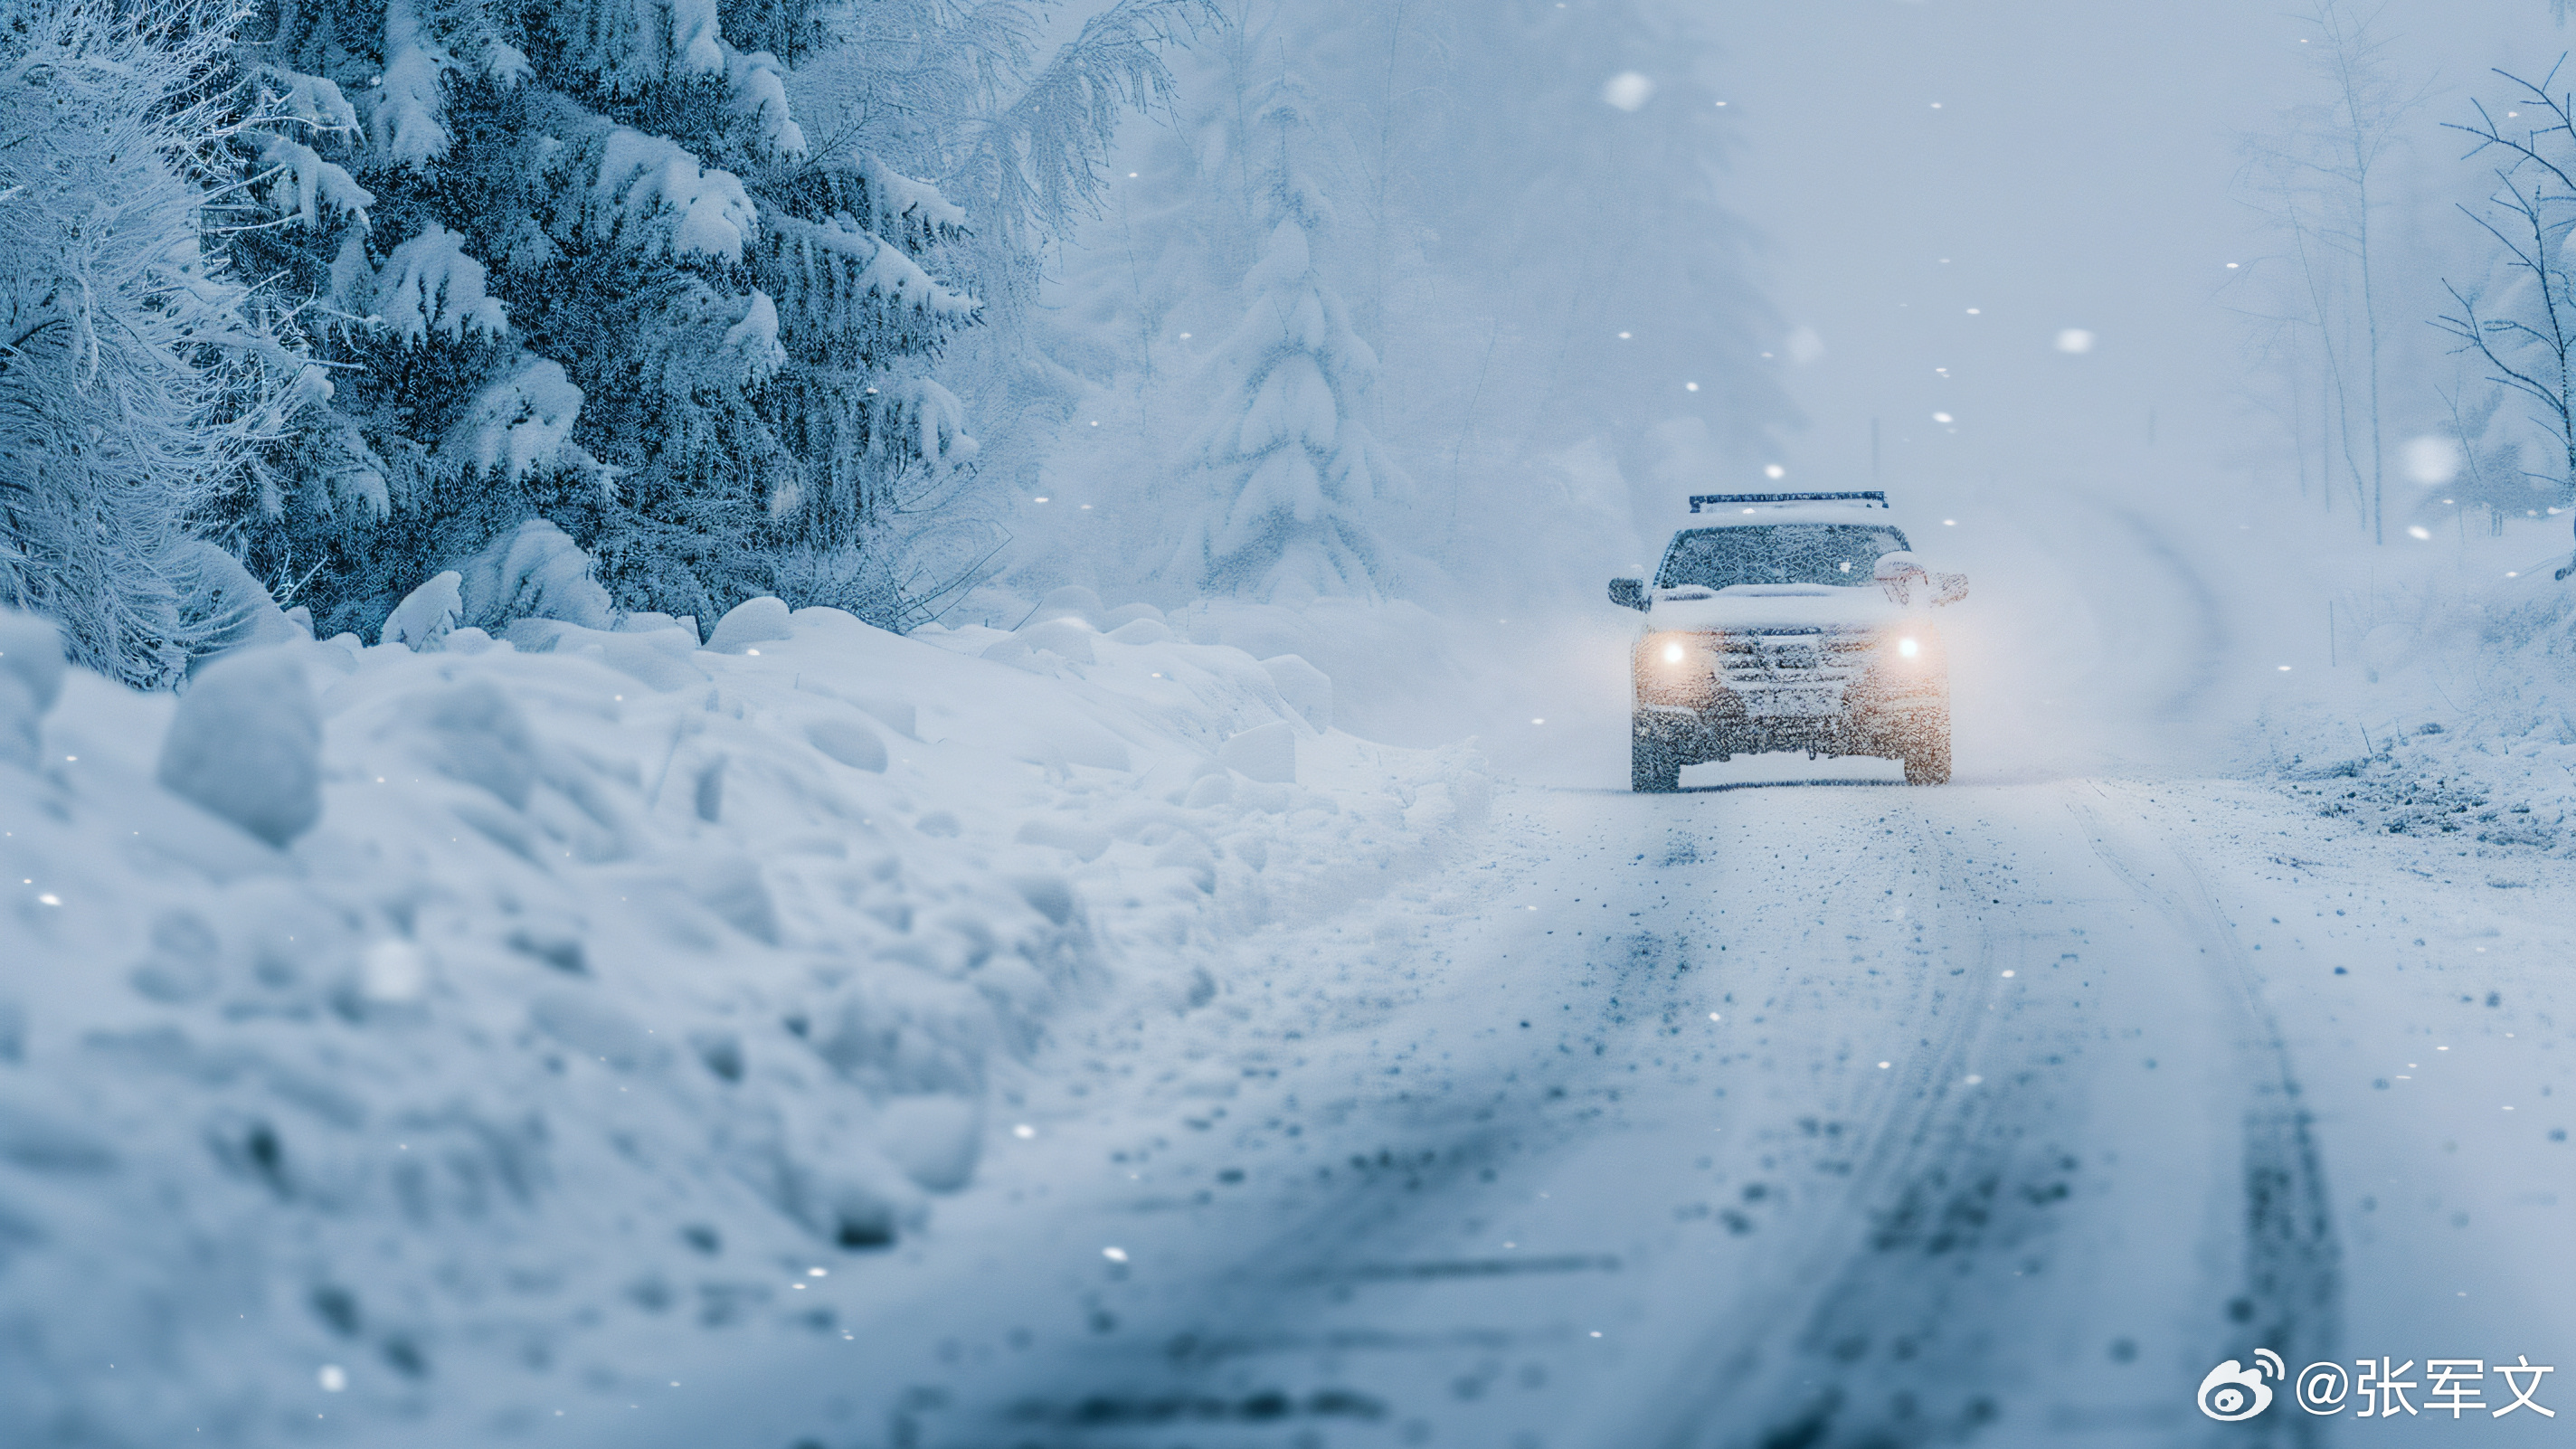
[922,308]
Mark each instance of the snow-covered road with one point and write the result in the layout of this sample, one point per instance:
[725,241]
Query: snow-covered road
[1829,1115]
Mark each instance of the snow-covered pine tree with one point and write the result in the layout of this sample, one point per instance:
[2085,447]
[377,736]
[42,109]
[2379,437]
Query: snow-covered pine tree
[577,259]
[1023,142]
[1288,469]
[129,384]
[1475,162]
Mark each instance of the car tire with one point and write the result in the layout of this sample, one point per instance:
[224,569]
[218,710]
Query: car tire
[1652,768]
[1927,754]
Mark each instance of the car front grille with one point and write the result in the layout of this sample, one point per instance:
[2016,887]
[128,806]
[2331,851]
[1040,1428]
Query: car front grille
[1754,658]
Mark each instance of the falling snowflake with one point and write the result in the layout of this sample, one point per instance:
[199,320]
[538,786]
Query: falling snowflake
[1628,90]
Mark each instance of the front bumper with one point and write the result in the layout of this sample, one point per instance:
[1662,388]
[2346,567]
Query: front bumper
[1827,692]
[1888,728]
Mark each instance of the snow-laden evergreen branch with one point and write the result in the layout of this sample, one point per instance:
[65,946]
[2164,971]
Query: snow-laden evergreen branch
[582,259]
[1040,161]
[132,389]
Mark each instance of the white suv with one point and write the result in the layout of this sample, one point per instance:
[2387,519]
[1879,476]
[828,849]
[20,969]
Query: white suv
[1789,621]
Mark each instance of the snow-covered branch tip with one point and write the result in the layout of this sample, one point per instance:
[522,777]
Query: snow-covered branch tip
[1043,157]
[2526,150]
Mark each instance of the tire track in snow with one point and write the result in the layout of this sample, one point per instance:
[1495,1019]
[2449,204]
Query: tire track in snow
[1364,1297]
[2213,643]
[1893,1344]
[1245,1328]
[1946,1255]
[1925,1326]
[2292,1286]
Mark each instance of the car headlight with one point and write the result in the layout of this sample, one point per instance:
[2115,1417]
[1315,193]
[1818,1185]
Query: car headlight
[1670,653]
[1908,646]
[1673,669]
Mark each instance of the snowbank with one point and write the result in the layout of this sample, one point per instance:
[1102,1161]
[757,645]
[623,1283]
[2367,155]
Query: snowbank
[617,986]
[2452,714]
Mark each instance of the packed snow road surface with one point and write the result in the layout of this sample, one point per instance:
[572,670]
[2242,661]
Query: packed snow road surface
[1777,1116]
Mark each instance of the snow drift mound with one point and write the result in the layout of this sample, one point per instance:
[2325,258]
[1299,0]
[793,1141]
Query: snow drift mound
[2456,720]
[391,1036]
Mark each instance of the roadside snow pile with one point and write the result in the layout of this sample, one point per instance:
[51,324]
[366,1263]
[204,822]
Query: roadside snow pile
[2458,720]
[403,1038]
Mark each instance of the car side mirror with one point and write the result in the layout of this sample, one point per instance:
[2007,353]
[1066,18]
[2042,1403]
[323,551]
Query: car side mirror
[1899,574]
[1949,588]
[1628,593]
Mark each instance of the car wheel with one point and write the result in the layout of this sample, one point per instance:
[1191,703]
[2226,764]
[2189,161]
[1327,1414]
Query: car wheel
[1652,768]
[1927,754]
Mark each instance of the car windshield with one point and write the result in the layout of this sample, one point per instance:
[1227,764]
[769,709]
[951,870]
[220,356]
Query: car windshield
[1776,553]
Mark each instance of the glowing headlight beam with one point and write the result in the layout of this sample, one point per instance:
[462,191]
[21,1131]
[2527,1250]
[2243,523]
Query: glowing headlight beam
[1908,648]
[1673,653]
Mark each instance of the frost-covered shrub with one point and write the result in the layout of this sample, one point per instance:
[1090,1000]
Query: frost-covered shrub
[129,384]
[222,608]
[534,572]
[427,614]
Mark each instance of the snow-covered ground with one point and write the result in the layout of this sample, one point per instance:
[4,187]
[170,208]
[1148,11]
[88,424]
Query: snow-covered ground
[632,1055]
[621,989]
[2452,709]
[1063,1035]
[1067,1035]
[1823,1115]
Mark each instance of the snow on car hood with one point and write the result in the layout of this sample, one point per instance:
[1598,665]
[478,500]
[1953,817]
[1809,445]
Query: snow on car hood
[1775,606]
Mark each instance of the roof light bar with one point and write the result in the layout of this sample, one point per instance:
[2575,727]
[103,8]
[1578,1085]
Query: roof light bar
[1698,499]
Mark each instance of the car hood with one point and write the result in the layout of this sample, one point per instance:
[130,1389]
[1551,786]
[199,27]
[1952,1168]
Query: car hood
[1780,606]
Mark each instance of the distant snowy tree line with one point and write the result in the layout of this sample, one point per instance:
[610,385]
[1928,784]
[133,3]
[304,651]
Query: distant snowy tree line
[1403,300]
[355,288]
